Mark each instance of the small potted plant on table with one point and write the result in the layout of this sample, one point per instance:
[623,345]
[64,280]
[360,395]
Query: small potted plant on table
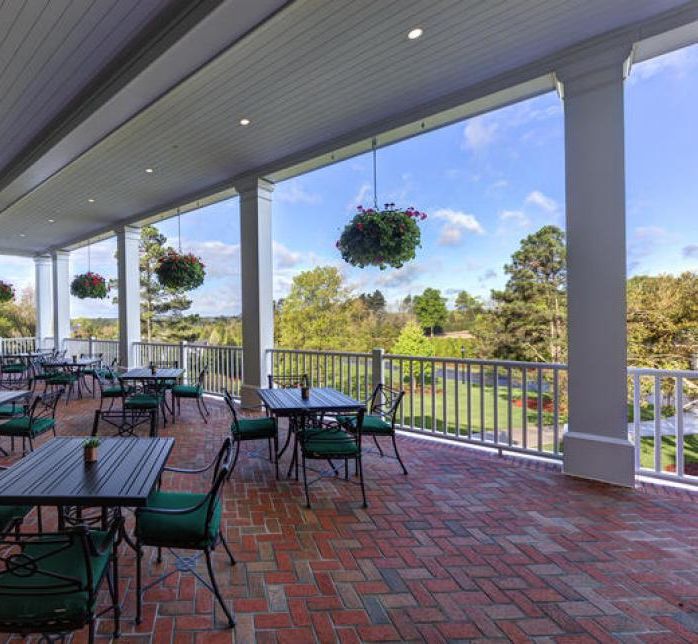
[90,446]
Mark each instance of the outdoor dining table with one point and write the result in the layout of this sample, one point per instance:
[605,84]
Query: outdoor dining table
[56,474]
[289,403]
[149,377]
[78,365]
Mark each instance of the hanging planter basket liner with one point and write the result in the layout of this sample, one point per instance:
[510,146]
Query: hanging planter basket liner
[383,238]
[7,292]
[89,286]
[179,271]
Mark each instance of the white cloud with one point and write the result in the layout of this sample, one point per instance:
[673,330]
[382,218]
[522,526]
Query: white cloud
[497,186]
[537,198]
[487,276]
[650,232]
[457,224]
[690,251]
[479,132]
[293,192]
[676,62]
[516,217]
[400,276]
[359,199]
[285,258]
[221,259]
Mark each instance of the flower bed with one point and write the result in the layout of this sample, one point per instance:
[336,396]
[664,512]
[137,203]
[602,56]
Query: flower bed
[89,286]
[179,271]
[382,238]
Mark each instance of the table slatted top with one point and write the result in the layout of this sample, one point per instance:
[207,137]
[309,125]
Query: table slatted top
[11,396]
[80,362]
[289,401]
[144,373]
[56,474]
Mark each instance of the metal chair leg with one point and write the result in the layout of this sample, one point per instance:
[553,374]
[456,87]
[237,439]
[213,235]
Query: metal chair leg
[375,440]
[227,548]
[361,479]
[397,455]
[198,404]
[305,484]
[216,590]
[139,582]
[235,459]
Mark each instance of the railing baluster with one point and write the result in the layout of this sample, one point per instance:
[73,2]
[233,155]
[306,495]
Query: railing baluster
[657,424]
[678,406]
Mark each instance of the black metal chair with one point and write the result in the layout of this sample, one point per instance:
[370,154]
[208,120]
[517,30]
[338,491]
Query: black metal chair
[383,407]
[192,392]
[40,418]
[49,582]
[188,521]
[11,516]
[332,442]
[253,429]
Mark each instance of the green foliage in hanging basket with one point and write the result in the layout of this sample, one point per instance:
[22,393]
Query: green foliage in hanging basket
[7,292]
[388,237]
[178,271]
[89,286]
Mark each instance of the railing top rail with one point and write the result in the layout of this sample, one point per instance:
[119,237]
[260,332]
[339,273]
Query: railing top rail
[667,373]
[478,361]
[320,352]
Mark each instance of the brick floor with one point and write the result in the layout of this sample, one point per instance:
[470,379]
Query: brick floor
[469,546]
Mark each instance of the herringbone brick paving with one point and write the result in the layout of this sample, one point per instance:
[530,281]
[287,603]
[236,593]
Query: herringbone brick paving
[468,547]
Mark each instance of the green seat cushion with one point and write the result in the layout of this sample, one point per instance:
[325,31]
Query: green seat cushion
[14,368]
[30,605]
[25,427]
[9,410]
[112,392]
[177,530]
[9,513]
[372,424]
[142,401]
[254,428]
[62,379]
[329,442]
[186,391]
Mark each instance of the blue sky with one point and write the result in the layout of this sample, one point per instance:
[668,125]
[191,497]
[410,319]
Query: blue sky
[485,183]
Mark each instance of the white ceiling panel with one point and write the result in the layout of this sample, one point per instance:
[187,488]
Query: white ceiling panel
[314,72]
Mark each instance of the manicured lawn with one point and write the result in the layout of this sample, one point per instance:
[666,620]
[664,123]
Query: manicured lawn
[690,452]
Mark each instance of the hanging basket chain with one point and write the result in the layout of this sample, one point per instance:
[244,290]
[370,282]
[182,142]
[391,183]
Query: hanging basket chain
[375,174]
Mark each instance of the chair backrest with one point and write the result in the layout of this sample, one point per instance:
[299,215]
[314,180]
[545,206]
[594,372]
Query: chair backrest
[173,364]
[385,401]
[220,473]
[231,407]
[284,382]
[202,378]
[44,405]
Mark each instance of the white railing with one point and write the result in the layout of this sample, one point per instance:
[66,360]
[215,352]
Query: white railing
[17,345]
[109,349]
[223,363]
[664,423]
[351,373]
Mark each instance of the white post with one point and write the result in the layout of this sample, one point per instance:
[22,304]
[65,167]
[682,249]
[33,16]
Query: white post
[43,297]
[127,242]
[257,284]
[596,445]
[377,370]
[61,297]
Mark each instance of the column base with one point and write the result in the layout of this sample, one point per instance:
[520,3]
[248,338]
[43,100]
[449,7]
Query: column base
[249,397]
[599,458]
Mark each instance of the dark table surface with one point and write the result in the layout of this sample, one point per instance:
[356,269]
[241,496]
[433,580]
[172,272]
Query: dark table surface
[322,399]
[69,362]
[56,473]
[12,395]
[144,373]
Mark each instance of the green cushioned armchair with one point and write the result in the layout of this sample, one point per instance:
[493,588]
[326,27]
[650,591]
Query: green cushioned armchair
[41,418]
[188,521]
[192,392]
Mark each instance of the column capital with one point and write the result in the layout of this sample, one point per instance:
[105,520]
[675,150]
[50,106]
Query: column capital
[60,255]
[593,69]
[42,260]
[129,231]
[254,185]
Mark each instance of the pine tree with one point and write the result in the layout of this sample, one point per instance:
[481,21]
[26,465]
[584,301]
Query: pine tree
[430,309]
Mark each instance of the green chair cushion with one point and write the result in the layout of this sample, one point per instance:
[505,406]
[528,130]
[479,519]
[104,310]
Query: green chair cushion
[329,442]
[142,401]
[372,425]
[29,604]
[62,379]
[254,429]
[9,410]
[186,391]
[25,427]
[112,392]
[14,368]
[177,530]
[10,513]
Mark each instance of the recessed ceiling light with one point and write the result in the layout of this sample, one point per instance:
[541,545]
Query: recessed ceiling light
[91,200]
[149,170]
[244,121]
[415,33]
[22,235]
[51,221]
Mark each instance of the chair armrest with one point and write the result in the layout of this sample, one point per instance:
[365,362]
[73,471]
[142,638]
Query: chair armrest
[173,511]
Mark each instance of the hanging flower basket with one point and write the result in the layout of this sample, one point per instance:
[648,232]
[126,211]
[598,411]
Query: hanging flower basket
[89,286]
[7,292]
[178,271]
[388,237]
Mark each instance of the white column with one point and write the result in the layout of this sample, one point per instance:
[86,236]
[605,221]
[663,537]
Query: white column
[596,445]
[43,297]
[129,296]
[61,297]
[257,284]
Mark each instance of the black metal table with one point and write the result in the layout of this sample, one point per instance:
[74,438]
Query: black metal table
[13,395]
[56,474]
[289,403]
[78,365]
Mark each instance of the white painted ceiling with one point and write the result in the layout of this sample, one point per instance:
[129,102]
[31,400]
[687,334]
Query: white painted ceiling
[316,73]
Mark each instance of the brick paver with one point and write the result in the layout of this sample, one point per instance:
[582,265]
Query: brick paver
[469,546]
